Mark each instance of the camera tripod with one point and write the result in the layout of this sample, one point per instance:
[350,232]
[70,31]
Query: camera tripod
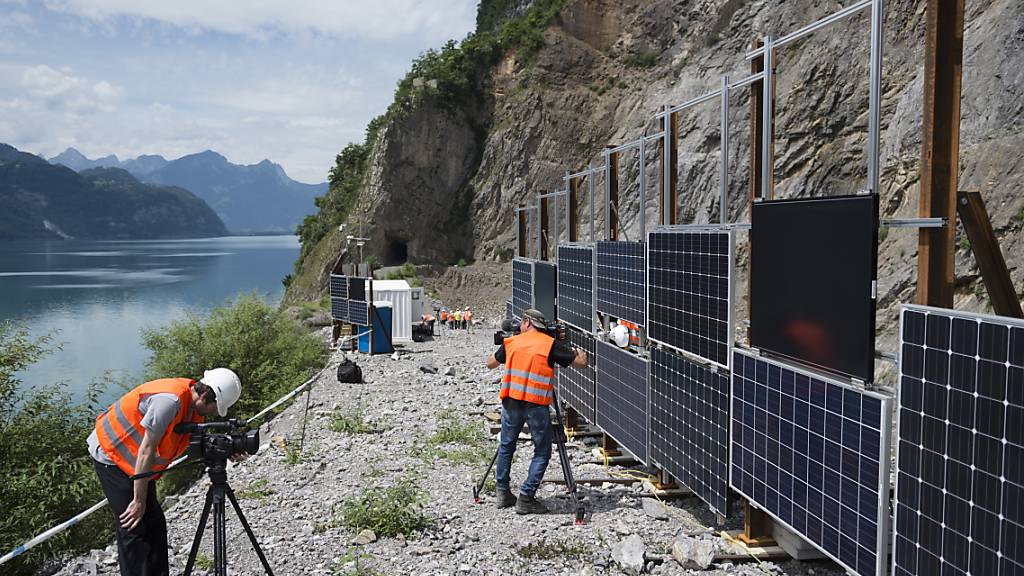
[563,458]
[215,499]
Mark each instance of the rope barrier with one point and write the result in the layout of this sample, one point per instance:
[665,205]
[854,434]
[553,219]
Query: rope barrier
[50,533]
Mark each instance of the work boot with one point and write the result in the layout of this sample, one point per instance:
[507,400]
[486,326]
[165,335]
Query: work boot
[529,505]
[506,499]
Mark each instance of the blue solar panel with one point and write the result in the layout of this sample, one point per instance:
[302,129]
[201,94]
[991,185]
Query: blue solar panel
[690,291]
[339,309]
[522,286]
[814,454]
[576,385]
[690,426]
[621,401]
[960,457]
[358,313]
[339,286]
[619,282]
[576,286]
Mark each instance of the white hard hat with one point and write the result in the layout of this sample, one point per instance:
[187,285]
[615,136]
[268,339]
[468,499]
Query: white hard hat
[619,335]
[225,385]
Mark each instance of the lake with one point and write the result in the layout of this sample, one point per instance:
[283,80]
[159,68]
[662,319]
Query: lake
[96,297]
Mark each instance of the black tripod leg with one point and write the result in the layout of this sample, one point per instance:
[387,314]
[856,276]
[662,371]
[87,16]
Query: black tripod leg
[199,534]
[248,530]
[480,487]
[220,540]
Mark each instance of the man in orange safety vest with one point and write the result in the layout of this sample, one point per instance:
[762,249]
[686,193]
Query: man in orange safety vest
[526,392]
[137,435]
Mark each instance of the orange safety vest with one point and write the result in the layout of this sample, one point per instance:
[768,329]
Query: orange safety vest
[120,430]
[634,332]
[527,374]
[444,316]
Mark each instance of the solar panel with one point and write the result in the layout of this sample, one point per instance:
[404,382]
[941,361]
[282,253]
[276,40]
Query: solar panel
[619,281]
[357,288]
[621,398]
[545,284]
[339,309]
[814,454]
[690,426]
[960,451]
[508,309]
[576,286]
[576,385]
[690,291]
[522,286]
[339,286]
[358,313]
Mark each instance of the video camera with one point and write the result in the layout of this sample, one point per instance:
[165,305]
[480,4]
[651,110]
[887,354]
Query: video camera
[210,447]
[555,329]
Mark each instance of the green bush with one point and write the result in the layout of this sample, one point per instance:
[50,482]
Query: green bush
[270,352]
[390,511]
[47,474]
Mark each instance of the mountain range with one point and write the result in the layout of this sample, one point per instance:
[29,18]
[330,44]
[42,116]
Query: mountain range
[254,198]
[42,200]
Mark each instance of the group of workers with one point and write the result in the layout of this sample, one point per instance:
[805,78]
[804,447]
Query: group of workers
[456,319]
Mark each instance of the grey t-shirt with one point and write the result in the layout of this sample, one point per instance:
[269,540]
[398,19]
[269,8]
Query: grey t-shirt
[157,412]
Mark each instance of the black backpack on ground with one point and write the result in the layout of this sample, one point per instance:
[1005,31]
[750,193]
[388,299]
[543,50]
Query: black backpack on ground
[349,372]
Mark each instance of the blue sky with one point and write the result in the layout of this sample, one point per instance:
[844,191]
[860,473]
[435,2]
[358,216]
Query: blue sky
[293,81]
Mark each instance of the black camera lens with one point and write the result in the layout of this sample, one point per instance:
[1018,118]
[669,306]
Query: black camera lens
[248,442]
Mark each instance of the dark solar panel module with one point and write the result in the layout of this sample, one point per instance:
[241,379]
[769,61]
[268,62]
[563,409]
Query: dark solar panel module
[621,401]
[576,385]
[522,286]
[690,291]
[690,425]
[619,282]
[576,286]
[960,444]
[814,454]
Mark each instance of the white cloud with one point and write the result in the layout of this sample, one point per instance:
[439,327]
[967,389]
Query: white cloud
[380,19]
[61,90]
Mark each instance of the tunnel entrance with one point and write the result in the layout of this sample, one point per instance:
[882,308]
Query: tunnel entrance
[396,252]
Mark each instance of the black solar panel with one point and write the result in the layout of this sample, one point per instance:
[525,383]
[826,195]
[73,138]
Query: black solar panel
[545,285]
[576,385]
[576,286]
[690,291]
[621,400]
[339,309]
[960,456]
[522,286]
[619,281]
[690,426]
[814,454]
[357,288]
[358,313]
[339,286]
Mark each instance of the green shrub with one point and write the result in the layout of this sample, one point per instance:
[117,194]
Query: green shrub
[269,351]
[46,474]
[353,421]
[641,60]
[389,511]
[258,489]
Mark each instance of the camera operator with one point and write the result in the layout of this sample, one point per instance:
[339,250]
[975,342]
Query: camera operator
[526,392]
[135,436]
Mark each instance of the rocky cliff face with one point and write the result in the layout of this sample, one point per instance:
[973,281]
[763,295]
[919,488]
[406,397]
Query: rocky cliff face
[607,67]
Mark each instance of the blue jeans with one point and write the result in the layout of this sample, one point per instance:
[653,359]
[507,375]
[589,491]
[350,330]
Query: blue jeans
[514,413]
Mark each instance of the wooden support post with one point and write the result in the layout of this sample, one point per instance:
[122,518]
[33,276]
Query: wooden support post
[574,210]
[940,149]
[572,418]
[670,164]
[543,229]
[756,527]
[521,221]
[988,255]
[609,447]
[612,209]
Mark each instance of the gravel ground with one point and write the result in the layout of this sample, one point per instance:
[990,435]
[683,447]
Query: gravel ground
[294,504]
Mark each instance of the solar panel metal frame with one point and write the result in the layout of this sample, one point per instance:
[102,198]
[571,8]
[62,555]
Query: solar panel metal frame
[684,467]
[884,462]
[564,303]
[601,418]
[577,387]
[1018,404]
[635,314]
[518,303]
[731,295]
